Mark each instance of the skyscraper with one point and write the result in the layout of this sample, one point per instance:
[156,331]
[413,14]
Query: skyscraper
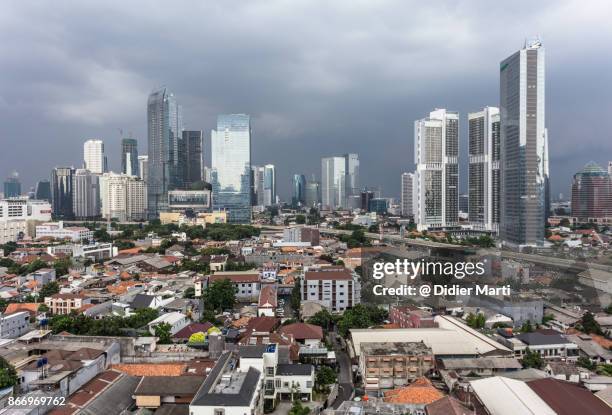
[143,167]
[12,186]
[93,156]
[591,194]
[298,190]
[231,166]
[85,194]
[313,194]
[333,182]
[192,141]
[484,173]
[524,147]
[129,157]
[61,183]
[351,167]
[43,190]
[269,185]
[436,152]
[123,197]
[257,185]
[164,123]
[407,195]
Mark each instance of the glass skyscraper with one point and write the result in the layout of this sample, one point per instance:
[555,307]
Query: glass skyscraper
[12,186]
[164,123]
[298,190]
[524,147]
[231,166]
[61,180]
[129,157]
[192,157]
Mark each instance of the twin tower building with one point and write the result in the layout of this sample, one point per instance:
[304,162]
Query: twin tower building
[508,189]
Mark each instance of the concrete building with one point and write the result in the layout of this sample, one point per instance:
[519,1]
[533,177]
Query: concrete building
[143,167]
[407,194]
[195,201]
[193,157]
[123,197]
[246,283]
[269,185]
[61,189]
[61,304]
[14,325]
[129,157]
[313,194]
[336,288]
[484,173]
[85,194]
[57,230]
[592,195]
[19,216]
[301,234]
[12,186]
[93,156]
[436,153]
[176,320]
[524,147]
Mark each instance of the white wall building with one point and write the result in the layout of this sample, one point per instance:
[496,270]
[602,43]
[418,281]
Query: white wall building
[335,288]
[123,197]
[19,216]
[333,182]
[176,320]
[57,230]
[93,156]
[14,325]
[436,152]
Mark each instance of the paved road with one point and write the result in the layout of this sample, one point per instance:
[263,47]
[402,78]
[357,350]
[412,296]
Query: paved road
[345,377]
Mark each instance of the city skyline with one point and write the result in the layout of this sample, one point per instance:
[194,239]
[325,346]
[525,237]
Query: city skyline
[312,112]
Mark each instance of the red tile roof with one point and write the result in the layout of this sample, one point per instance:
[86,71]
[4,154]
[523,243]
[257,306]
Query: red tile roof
[187,331]
[567,398]
[302,331]
[267,296]
[262,324]
[235,278]
[421,391]
[329,273]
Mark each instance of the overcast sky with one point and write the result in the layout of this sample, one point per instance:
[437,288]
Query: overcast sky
[319,78]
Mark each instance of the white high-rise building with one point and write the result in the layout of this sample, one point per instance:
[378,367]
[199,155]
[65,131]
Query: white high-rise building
[351,168]
[333,182]
[123,197]
[143,167]
[93,156]
[436,152]
[19,217]
[484,173]
[408,193]
[85,194]
[269,185]
[524,201]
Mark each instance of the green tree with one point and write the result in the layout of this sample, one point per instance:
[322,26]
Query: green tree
[589,324]
[8,374]
[47,290]
[323,319]
[220,295]
[162,332]
[298,409]
[586,363]
[532,359]
[62,266]
[36,265]
[296,296]
[300,219]
[189,293]
[198,337]
[324,377]
[527,327]
[360,317]
[101,235]
[9,247]
[42,308]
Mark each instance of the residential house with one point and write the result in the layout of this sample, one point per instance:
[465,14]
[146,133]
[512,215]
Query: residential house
[66,303]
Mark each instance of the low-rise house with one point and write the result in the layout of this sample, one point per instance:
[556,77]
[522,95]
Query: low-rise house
[246,283]
[503,396]
[411,317]
[590,348]
[177,321]
[483,366]
[14,325]
[567,398]
[66,303]
[183,335]
[563,371]
[141,301]
[303,333]
[550,344]
[155,391]
[267,301]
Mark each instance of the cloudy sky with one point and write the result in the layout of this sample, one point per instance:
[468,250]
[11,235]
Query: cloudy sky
[318,78]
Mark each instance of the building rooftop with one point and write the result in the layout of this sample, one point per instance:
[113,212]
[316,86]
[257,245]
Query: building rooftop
[329,273]
[168,385]
[403,348]
[294,370]
[504,396]
[567,398]
[302,331]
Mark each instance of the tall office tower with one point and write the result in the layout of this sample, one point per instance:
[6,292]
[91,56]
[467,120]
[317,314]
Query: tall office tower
[351,167]
[366,196]
[484,173]
[257,185]
[12,186]
[93,155]
[123,197]
[164,124]
[408,190]
[269,185]
[143,167]
[298,190]
[43,190]
[129,157]
[436,152]
[312,194]
[85,194]
[61,192]
[333,182]
[231,165]
[592,194]
[192,141]
[524,147]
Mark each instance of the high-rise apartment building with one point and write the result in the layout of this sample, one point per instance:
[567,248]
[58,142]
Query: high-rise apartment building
[524,147]
[19,217]
[43,190]
[269,185]
[164,123]
[61,194]
[257,185]
[333,182]
[143,167]
[407,195]
[12,186]
[93,156]
[313,194]
[436,153]
[484,173]
[298,190]
[123,197]
[366,196]
[192,142]
[85,194]
[129,157]
[231,166]
[592,195]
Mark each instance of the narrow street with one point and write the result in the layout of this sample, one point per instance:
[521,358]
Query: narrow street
[345,377]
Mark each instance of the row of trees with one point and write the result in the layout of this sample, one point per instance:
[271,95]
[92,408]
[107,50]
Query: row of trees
[61,266]
[81,324]
[359,317]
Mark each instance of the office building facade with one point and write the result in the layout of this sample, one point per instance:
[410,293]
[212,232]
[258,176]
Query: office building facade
[592,194]
[436,152]
[93,156]
[61,195]
[333,182]
[12,186]
[524,147]
[19,217]
[298,190]
[85,194]
[231,166]
[407,194]
[43,190]
[129,157]
[269,185]
[313,194]
[123,197]
[484,177]
[192,142]
[143,167]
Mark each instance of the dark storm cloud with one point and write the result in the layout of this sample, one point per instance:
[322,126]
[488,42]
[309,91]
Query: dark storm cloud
[318,78]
